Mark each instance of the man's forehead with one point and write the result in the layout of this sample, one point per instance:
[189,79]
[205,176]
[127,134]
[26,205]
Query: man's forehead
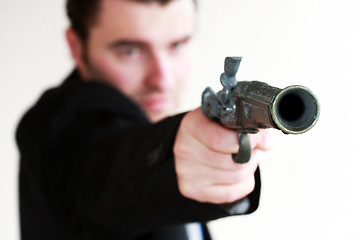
[132,19]
[146,3]
[161,4]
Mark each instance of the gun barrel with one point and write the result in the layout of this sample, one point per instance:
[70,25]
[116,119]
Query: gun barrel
[295,110]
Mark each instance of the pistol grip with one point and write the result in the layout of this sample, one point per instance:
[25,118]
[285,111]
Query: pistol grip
[244,153]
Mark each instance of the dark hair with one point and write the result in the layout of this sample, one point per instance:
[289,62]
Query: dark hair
[84,13]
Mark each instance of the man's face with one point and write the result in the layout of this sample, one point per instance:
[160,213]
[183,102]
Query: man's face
[143,50]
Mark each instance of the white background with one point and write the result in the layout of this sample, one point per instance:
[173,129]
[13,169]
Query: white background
[310,181]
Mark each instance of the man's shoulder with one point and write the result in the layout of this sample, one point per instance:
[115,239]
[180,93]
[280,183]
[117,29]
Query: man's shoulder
[75,95]
[74,92]
[73,103]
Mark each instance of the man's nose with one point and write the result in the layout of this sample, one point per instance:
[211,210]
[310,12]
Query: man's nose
[160,74]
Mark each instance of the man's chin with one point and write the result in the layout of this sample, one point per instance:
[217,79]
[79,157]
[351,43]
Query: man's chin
[157,109]
[155,116]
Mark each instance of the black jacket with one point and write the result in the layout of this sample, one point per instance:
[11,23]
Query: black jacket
[94,167]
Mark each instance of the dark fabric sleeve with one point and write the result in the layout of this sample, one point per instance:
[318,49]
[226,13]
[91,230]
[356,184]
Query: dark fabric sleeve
[106,169]
[129,182]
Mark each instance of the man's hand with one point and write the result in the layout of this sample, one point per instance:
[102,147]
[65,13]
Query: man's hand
[203,161]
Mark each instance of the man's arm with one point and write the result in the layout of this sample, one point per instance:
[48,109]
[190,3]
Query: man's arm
[102,168]
[125,180]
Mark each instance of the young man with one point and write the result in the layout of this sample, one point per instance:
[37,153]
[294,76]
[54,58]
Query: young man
[99,158]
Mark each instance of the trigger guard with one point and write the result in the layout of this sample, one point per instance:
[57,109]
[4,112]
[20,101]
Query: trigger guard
[244,153]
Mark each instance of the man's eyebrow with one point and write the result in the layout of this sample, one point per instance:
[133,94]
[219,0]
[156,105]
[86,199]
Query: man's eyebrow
[125,42]
[139,43]
[183,39]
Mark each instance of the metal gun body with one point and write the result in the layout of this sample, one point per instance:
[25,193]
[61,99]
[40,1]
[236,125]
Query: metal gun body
[251,105]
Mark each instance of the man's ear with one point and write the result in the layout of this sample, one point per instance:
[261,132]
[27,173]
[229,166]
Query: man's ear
[77,49]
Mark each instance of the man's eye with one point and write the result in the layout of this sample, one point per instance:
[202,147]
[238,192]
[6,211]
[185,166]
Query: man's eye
[129,52]
[177,45]
[180,44]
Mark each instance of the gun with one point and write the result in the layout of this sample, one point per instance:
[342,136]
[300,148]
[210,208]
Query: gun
[252,105]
